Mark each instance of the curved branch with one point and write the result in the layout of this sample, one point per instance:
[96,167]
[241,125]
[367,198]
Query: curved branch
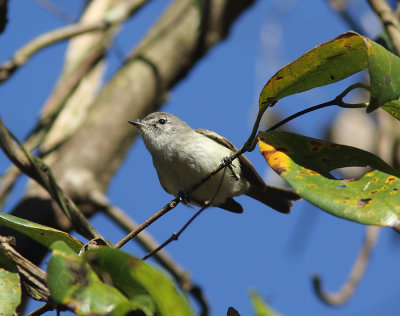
[357,272]
[113,17]
[27,51]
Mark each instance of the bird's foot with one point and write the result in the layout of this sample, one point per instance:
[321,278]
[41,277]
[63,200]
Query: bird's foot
[183,197]
[227,162]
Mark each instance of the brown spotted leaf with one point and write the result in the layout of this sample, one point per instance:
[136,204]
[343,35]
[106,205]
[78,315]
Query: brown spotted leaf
[333,61]
[306,164]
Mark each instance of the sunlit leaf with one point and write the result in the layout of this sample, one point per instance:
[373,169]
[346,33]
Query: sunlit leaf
[393,108]
[327,63]
[42,234]
[135,277]
[260,307]
[333,61]
[10,286]
[74,284]
[305,163]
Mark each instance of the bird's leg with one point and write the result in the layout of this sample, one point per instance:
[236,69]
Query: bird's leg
[183,197]
[227,161]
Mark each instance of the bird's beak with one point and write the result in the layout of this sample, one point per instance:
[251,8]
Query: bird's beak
[138,124]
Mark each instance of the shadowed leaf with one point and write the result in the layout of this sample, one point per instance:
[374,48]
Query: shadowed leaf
[136,279]
[74,284]
[305,163]
[10,287]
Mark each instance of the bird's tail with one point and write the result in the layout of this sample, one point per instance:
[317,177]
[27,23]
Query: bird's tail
[279,199]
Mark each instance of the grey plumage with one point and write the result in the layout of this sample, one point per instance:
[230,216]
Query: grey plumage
[183,156]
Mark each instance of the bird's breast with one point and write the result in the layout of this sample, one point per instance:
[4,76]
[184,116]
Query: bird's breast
[187,163]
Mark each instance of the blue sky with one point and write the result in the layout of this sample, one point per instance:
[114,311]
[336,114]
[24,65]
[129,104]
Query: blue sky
[226,254]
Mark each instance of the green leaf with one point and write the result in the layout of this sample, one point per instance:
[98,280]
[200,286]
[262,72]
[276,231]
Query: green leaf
[135,277]
[260,307]
[42,234]
[333,61]
[75,285]
[10,286]
[305,163]
[393,108]
[384,72]
[324,64]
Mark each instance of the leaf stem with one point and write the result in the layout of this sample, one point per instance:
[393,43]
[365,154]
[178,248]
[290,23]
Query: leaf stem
[336,101]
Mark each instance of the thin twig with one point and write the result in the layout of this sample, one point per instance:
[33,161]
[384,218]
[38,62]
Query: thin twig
[116,16]
[336,101]
[55,10]
[357,272]
[171,205]
[389,21]
[144,239]
[174,235]
[27,51]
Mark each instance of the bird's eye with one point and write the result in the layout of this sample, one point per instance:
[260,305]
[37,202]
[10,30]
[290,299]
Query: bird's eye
[162,121]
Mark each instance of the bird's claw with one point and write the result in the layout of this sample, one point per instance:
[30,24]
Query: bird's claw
[183,197]
[227,162]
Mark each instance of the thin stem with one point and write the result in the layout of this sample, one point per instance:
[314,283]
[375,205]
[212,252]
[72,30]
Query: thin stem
[56,11]
[171,205]
[174,235]
[145,240]
[336,101]
[252,141]
[292,117]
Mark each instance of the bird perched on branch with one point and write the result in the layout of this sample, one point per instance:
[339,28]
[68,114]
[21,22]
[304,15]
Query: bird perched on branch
[184,156]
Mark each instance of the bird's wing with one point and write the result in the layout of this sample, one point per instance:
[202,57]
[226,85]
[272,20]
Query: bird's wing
[216,137]
[247,168]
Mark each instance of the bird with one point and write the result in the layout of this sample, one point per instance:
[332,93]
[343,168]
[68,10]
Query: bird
[183,156]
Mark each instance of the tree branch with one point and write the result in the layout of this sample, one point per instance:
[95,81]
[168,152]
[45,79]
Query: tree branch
[114,17]
[43,176]
[357,272]
[389,21]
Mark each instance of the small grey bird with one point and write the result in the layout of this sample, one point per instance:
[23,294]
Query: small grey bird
[183,156]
